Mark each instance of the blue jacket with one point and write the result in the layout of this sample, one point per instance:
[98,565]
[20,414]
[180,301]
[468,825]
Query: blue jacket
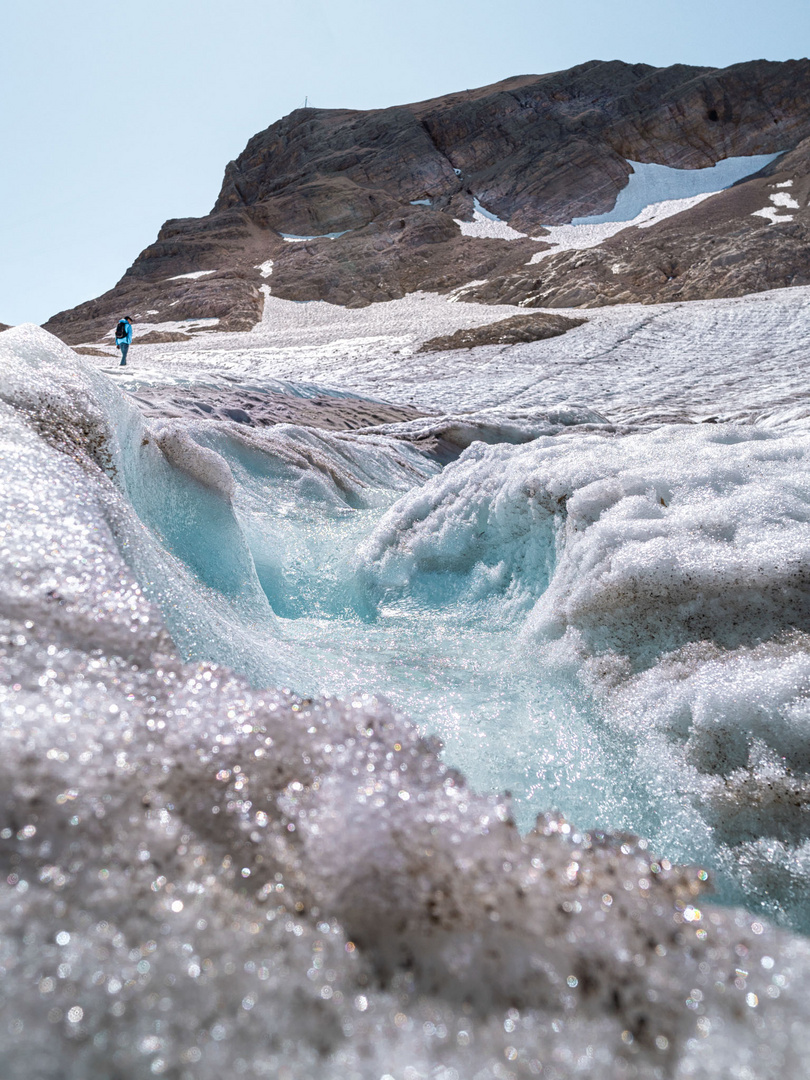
[128,338]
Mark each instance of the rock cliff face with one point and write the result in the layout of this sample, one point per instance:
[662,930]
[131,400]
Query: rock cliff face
[378,195]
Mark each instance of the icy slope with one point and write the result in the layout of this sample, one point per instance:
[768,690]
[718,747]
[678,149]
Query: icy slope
[649,184]
[652,194]
[666,574]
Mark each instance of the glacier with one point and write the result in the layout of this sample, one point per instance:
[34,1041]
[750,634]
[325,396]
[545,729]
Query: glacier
[649,183]
[265,690]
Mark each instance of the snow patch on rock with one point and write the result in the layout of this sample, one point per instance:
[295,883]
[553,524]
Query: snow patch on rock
[193,276]
[487,226]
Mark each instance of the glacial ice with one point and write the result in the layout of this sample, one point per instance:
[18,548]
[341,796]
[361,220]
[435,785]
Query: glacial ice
[652,193]
[649,183]
[204,876]
[585,234]
[661,572]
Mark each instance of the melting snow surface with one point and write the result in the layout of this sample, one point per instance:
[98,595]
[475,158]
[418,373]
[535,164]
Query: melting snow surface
[265,268]
[294,238]
[487,226]
[779,199]
[183,325]
[630,362]
[653,193]
[579,237]
[192,277]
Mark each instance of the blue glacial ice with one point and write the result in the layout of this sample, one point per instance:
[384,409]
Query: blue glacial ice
[649,184]
[210,867]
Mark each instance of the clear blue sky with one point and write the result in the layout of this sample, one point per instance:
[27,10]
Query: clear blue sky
[115,117]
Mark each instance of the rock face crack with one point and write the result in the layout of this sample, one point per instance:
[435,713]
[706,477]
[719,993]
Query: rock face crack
[439,150]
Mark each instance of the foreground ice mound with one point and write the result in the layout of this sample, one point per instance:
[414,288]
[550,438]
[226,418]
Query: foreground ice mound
[202,878]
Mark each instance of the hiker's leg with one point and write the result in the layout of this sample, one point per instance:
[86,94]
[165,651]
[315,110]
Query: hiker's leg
[124,346]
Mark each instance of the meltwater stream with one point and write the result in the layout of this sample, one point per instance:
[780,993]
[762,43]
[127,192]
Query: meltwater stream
[559,614]
[440,639]
[206,875]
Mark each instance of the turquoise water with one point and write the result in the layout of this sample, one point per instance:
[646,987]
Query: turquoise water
[342,565]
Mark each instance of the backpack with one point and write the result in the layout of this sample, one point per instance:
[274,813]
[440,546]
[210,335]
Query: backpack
[121,329]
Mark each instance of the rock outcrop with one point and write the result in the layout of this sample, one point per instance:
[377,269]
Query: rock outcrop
[354,207]
[515,331]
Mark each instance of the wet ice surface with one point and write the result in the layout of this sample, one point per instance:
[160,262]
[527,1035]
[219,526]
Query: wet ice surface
[204,875]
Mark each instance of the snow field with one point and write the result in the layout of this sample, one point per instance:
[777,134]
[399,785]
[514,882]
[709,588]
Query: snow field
[742,359]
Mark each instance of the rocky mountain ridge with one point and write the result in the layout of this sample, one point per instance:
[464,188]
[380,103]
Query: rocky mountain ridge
[355,207]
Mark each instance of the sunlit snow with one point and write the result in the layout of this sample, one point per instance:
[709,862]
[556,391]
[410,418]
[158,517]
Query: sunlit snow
[579,237]
[488,226]
[295,238]
[649,183]
[778,199]
[653,193]
[193,276]
[183,326]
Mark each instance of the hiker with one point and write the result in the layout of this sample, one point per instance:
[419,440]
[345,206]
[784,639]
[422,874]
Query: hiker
[123,337]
